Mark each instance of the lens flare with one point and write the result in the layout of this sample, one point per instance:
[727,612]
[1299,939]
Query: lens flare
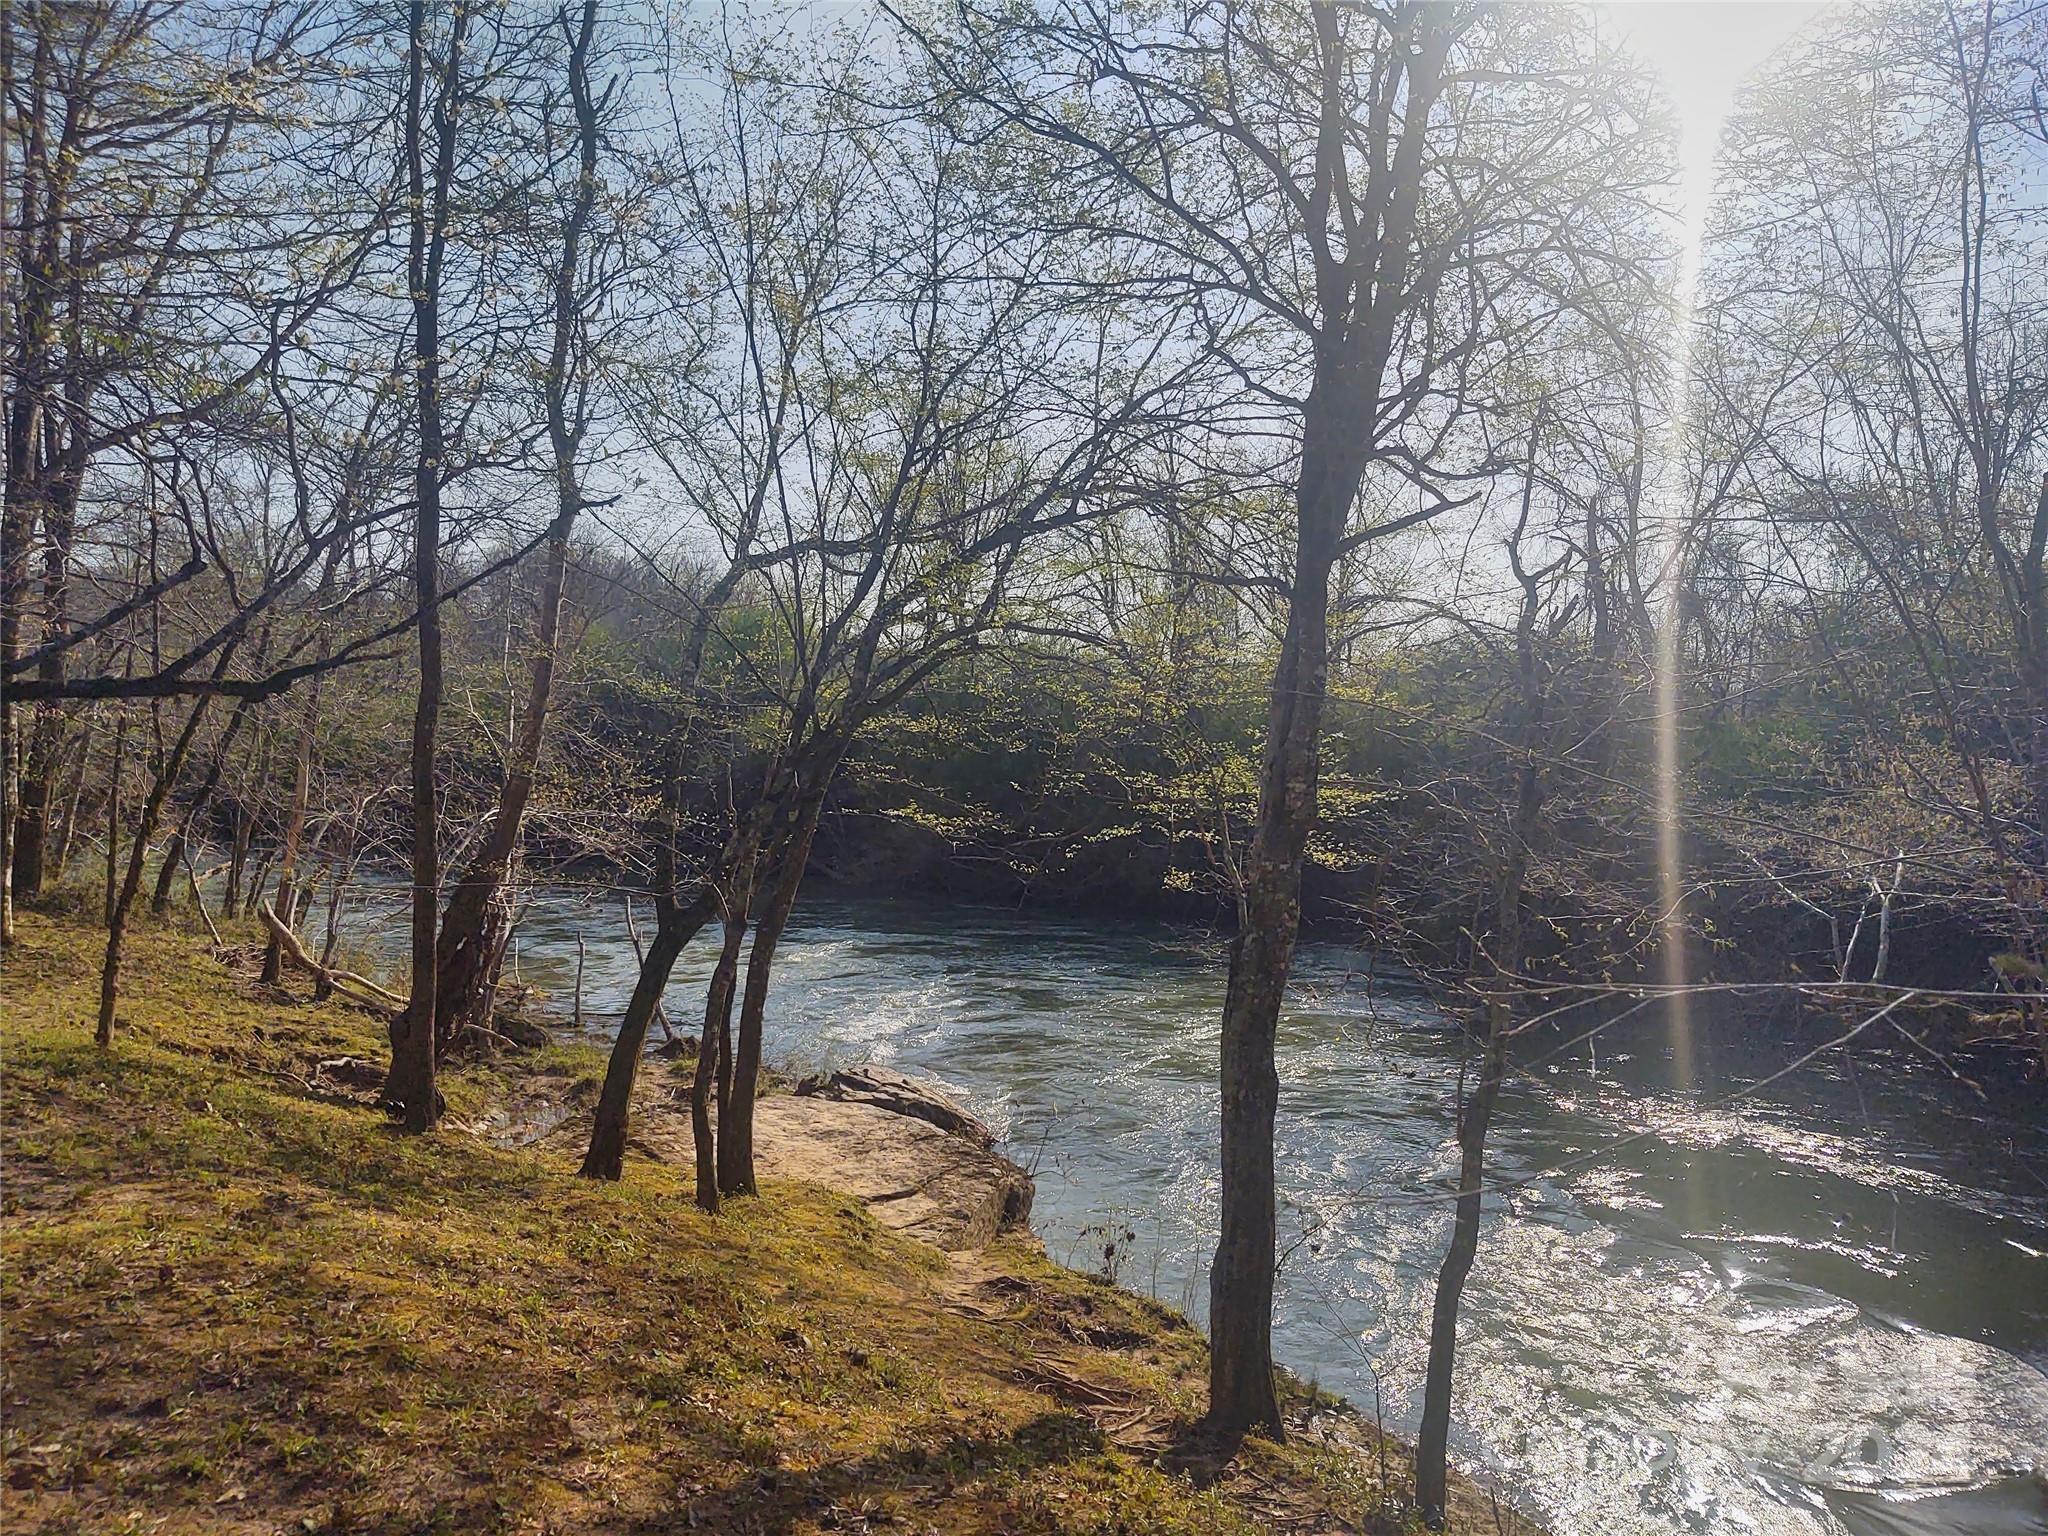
[1703,54]
[1701,137]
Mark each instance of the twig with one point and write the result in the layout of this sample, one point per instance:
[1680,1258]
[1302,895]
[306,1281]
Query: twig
[668,1030]
[199,901]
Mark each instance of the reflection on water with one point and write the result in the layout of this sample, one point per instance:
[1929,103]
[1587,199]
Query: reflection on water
[1822,1313]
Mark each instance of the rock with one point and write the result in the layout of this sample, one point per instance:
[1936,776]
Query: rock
[521,1031]
[945,1187]
[928,1183]
[899,1095]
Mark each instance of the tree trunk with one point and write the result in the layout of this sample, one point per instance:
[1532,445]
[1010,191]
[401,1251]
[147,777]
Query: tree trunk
[38,203]
[294,833]
[717,1026]
[1475,1117]
[114,776]
[337,877]
[1361,312]
[668,1030]
[471,942]
[7,809]
[411,1084]
[180,845]
[674,927]
[1432,1444]
[1241,1388]
[468,957]
[715,1055]
[238,858]
[736,1124]
[174,858]
[2036,653]
[32,797]
[245,826]
[66,829]
[36,790]
[254,898]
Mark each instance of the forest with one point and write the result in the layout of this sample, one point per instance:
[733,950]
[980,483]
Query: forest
[1354,474]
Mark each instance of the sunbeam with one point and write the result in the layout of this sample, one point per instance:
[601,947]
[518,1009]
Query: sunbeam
[1703,54]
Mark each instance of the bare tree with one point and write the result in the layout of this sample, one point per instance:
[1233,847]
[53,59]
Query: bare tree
[1527,731]
[475,928]
[433,103]
[912,420]
[1359,202]
[1879,389]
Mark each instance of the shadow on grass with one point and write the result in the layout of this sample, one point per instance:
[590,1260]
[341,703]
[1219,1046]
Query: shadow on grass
[771,1503]
[1201,1452]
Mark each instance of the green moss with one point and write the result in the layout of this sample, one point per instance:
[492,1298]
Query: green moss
[238,1303]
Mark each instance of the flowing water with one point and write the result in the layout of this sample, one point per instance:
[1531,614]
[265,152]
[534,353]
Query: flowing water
[1820,1310]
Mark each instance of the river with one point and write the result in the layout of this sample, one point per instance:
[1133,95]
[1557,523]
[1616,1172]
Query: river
[1819,1311]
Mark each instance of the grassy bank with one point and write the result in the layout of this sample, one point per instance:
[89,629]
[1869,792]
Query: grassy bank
[236,1301]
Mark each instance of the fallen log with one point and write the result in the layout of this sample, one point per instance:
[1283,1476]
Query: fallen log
[365,990]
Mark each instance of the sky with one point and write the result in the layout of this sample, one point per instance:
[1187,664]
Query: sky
[1705,49]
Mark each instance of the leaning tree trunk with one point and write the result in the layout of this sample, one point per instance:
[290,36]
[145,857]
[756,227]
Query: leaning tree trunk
[472,938]
[180,846]
[256,785]
[337,885]
[605,1157]
[152,811]
[254,899]
[674,926]
[294,834]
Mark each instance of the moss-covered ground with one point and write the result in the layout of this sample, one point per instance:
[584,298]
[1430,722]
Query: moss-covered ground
[238,1301]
